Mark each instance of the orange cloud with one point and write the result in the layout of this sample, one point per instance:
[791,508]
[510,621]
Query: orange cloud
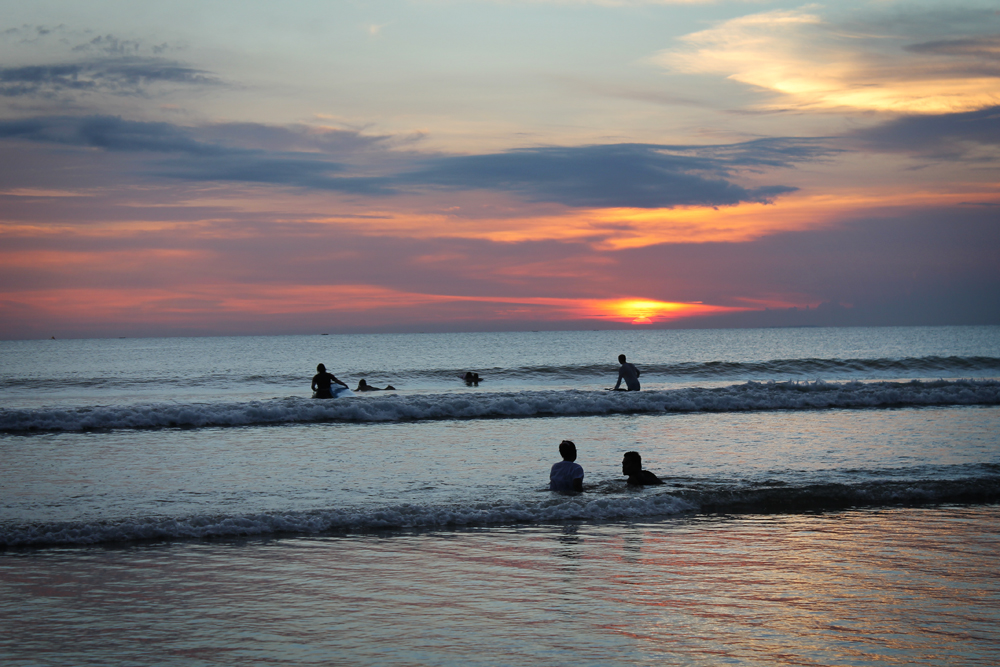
[620,228]
[813,64]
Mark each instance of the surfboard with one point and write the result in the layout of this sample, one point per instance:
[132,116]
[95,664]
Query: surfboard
[336,391]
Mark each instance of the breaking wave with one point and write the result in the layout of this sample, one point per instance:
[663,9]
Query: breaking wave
[388,408]
[649,503]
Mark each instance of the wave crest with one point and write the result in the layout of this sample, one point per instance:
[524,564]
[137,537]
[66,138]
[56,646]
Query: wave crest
[387,408]
[602,505]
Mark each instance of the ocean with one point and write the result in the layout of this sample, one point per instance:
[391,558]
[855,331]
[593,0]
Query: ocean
[830,498]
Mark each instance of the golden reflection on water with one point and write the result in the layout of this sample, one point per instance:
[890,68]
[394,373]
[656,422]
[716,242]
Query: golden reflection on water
[851,588]
[896,586]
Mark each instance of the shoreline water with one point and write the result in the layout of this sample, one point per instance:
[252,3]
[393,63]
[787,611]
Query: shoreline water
[854,588]
[184,502]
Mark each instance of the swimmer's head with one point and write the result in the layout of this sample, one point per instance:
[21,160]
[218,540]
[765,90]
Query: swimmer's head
[631,463]
[567,449]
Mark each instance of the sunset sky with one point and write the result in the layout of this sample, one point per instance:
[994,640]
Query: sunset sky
[250,167]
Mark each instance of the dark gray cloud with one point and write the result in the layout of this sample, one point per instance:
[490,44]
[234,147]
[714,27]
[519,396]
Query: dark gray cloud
[31,33]
[916,22]
[291,138]
[131,75]
[615,175]
[111,45]
[299,171]
[107,132]
[987,48]
[772,152]
[944,136]
[620,175]
[190,158]
[117,134]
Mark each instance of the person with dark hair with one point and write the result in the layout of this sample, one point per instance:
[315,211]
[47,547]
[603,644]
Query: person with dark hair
[364,386]
[632,466]
[566,475]
[321,384]
[629,373]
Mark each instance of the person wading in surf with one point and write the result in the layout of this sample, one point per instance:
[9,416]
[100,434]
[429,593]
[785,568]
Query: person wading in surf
[322,381]
[566,475]
[629,373]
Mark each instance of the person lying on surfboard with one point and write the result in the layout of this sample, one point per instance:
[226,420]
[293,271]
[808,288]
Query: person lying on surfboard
[364,386]
[322,381]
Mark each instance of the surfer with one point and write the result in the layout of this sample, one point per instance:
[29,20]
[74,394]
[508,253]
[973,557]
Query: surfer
[566,475]
[471,378]
[629,373]
[322,381]
[364,386]
[632,467]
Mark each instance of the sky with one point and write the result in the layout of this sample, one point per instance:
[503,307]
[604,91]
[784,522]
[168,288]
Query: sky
[257,168]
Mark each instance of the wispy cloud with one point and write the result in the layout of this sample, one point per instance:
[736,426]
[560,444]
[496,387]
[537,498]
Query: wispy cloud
[131,75]
[615,3]
[191,158]
[616,175]
[958,136]
[981,48]
[613,175]
[806,61]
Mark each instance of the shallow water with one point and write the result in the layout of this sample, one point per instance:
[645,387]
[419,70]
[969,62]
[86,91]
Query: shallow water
[831,497]
[347,476]
[891,586]
[216,370]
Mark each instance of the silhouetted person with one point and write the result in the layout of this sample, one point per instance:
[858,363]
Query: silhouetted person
[364,386]
[629,373]
[632,466]
[471,378]
[322,381]
[566,475]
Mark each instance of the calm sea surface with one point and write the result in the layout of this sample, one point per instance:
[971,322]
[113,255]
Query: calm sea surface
[831,498]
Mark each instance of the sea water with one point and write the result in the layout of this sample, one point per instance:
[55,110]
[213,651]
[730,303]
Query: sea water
[830,497]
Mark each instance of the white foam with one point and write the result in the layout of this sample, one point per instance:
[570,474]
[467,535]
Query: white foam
[553,508]
[742,397]
[535,507]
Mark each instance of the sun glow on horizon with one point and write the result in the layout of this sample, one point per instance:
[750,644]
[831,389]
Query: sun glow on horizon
[197,302]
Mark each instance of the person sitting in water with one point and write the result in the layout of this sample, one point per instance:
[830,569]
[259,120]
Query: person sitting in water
[632,466]
[629,373]
[364,386]
[566,475]
[471,378]
[321,384]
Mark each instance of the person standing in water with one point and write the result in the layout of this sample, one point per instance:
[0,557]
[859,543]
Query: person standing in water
[566,475]
[629,373]
[321,384]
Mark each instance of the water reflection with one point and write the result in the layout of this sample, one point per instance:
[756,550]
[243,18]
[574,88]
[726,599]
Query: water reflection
[912,586]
